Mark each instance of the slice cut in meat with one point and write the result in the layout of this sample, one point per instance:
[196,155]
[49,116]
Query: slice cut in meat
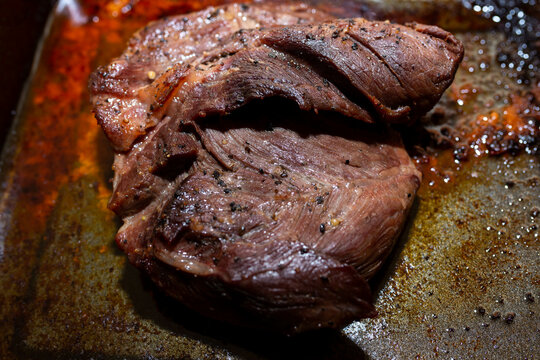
[256,174]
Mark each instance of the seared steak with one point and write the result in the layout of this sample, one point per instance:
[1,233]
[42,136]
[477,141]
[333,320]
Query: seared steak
[255,172]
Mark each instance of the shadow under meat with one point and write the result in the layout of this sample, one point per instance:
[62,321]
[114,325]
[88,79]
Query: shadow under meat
[276,112]
[105,155]
[152,304]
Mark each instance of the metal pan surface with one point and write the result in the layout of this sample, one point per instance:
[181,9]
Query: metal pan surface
[463,281]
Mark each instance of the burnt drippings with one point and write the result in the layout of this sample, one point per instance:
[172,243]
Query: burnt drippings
[58,309]
[493,106]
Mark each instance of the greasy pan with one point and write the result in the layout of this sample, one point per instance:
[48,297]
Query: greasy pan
[463,281]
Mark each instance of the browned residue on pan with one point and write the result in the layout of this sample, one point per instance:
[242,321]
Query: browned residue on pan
[463,281]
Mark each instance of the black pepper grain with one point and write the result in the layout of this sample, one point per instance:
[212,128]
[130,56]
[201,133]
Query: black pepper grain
[509,184]
[495,316]
[235,207]
[509,318]
[480,310]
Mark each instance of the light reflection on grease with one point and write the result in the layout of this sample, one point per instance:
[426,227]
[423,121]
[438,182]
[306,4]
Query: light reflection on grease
[73,10]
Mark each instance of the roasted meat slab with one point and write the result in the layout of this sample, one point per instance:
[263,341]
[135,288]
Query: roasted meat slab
[256,174]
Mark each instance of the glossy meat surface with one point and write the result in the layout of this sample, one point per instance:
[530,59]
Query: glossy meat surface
[248,187]
[346,66]
[157,55]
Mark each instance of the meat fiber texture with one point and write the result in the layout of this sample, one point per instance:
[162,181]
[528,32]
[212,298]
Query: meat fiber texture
[256,173]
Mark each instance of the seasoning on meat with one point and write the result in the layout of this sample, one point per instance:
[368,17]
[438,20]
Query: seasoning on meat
[255,173]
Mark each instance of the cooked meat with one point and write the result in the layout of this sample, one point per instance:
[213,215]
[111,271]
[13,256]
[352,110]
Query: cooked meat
[346,66]
[255,173]
[164,47]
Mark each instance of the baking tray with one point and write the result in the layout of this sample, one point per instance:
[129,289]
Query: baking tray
[462,282]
